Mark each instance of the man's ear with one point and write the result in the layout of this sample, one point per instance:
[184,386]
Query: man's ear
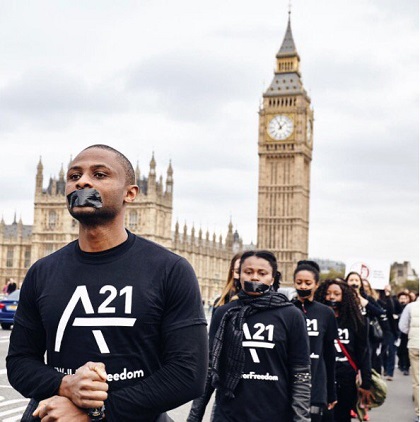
[131,193]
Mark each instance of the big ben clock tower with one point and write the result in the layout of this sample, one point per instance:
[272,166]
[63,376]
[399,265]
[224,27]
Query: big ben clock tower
[285,154]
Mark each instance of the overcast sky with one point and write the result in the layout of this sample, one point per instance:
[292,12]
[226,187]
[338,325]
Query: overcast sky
[185,79]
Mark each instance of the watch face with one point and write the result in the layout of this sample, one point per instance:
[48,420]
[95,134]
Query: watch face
[280,127]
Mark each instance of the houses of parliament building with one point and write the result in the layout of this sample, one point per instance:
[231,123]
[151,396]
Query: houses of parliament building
[285,152]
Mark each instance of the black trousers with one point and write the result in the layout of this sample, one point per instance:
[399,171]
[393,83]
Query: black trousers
[375,359]
[402,353]
[346,400]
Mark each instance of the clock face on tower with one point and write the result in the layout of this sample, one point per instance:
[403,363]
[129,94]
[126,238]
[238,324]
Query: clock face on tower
[280,127]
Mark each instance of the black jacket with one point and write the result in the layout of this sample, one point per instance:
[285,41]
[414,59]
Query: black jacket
[274,383]
[322,331]
[392,307]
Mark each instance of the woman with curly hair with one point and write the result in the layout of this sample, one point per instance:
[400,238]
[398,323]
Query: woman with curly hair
[368,304]
[353,336]
[370,310]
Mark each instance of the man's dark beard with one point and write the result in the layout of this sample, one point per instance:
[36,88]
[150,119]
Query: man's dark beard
[98,218]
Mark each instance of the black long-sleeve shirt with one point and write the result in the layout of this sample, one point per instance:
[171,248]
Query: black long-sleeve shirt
[276,348]
[322,330]
[392,307]
[373,308]
[357,346]
[136,307]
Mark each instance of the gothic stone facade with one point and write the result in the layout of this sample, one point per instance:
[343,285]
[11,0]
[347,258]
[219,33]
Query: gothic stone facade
[149,216]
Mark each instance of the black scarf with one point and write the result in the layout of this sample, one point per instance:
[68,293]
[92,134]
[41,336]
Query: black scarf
[228,354]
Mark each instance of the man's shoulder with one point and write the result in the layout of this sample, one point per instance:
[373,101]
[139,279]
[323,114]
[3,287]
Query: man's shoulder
[44,266]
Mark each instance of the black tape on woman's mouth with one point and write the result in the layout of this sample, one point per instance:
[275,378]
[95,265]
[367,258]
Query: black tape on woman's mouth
[255,287]
[85,198]
[332,303]
[303,293]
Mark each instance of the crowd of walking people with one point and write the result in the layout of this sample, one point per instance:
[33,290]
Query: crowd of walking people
[126,338]
[314,361]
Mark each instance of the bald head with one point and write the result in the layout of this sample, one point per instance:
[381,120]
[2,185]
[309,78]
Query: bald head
[122,159]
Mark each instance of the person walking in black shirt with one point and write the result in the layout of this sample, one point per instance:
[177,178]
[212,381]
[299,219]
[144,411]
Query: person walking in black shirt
[375,341]
[232,285]
[393,311]
[322,331]
[119,317]
[402,351]
[229,292]
[353,335]
[260,350]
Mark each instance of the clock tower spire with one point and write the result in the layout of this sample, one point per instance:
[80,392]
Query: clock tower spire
[285,154]
[288,48]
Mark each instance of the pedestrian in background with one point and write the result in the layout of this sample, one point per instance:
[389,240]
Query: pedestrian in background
[413,295]
[375,342]
[402,351]
[229,292]
[4,290]
[409,324]
[372,312]
[322,331]
[353,340]
[232,285]
[390,341]
[11,286]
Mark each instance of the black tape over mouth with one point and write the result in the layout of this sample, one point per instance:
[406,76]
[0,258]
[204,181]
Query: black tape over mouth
[303,293]
[84,198]
[332,303]
[255,287]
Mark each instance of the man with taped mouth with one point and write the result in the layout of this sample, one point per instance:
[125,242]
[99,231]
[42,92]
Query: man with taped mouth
[119,317]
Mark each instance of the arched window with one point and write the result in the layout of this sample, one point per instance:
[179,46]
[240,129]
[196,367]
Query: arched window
[48,249]
[27,262]
[52,220]
[9,259]
[132,222]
